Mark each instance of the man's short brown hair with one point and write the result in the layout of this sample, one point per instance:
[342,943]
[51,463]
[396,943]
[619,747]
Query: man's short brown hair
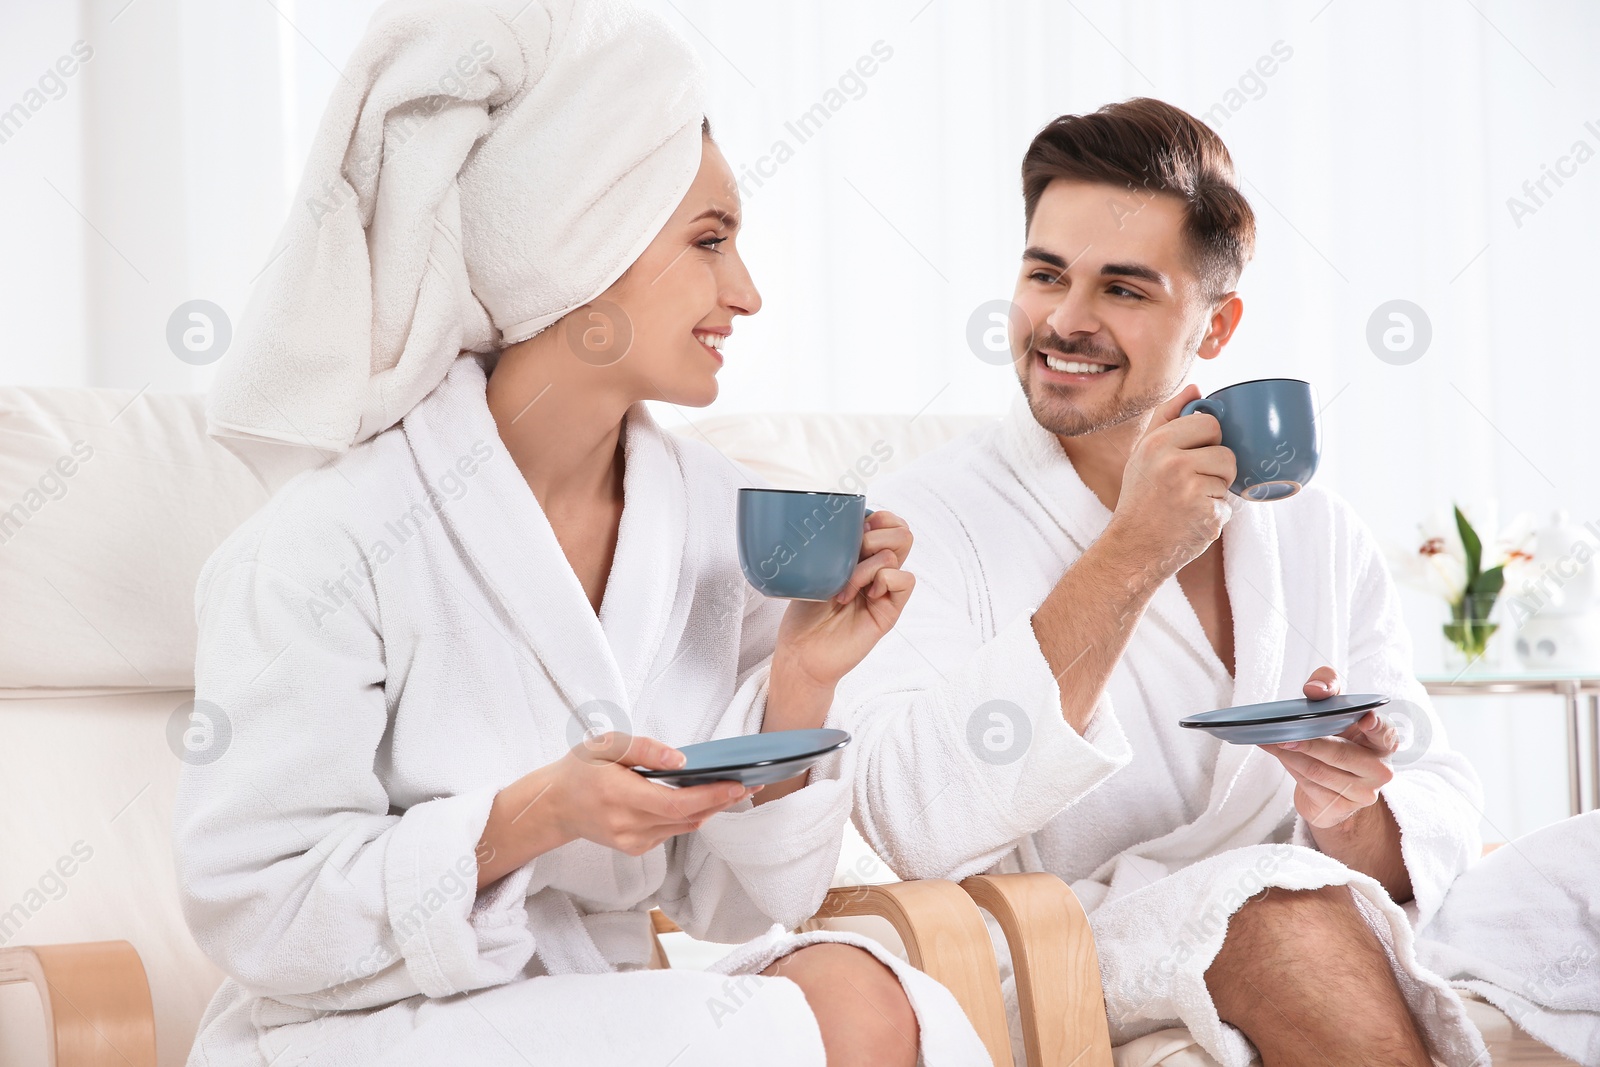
[1152,147]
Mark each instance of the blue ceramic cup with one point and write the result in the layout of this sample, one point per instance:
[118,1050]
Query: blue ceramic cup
[800,545]
[1271,427]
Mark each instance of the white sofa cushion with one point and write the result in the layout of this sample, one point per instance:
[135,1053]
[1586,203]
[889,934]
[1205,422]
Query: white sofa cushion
[110,501]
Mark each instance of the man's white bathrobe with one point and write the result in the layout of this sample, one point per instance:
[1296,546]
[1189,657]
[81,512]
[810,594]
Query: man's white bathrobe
[391,640]
[964,762]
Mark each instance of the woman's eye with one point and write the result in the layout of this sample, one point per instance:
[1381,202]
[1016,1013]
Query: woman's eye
[711,242]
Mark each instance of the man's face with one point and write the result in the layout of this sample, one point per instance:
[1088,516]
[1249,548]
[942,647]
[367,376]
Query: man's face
[1111,300]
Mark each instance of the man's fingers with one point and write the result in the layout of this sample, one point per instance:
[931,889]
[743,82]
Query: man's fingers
[1328,806]
[1373,731]
[1216,460]
[1345,757]
[1308,768]
[1174,407]
[1323,683]
[1199,430]
[1335,796]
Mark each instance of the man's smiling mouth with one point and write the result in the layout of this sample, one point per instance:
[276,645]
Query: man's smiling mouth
[1072,365]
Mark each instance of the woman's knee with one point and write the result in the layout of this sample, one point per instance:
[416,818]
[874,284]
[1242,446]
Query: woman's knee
[860,1006]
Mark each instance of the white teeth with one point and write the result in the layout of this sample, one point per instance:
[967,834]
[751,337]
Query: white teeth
[711,340]
[1070,367]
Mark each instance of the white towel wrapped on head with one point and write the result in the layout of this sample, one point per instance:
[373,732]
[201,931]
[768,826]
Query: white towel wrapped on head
[483,168]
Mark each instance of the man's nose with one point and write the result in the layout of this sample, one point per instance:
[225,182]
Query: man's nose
[1073,314]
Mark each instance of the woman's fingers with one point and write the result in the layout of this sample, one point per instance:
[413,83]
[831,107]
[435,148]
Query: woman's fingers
[891,580]
[665,804]
[882,520]
[885,530]
[629,750]
[863,574]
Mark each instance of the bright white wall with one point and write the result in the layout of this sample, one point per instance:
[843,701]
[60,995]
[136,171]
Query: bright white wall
[42,248]
[1379,156]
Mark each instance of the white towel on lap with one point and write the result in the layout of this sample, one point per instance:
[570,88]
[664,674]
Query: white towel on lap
[1522,930]
[482,169]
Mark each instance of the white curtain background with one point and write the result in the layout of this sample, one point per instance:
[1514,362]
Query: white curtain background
[1380,143]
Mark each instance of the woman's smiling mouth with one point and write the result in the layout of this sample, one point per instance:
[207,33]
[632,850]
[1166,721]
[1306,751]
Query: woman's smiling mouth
[712,341]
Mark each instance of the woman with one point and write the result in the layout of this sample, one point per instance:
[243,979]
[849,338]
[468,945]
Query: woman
[436,658]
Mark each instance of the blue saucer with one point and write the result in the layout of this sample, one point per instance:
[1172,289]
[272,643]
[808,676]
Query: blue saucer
[753,759]
[1277,721]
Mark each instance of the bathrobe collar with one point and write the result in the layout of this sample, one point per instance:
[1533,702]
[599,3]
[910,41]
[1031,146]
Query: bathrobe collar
[1252,573]
[506,537]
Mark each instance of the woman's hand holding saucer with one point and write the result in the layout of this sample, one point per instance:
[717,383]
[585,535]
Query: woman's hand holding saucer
[593,793]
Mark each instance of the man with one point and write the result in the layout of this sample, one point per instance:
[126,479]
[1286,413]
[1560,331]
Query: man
[1085,580]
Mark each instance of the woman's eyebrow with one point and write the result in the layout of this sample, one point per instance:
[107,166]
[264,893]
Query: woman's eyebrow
[723,215]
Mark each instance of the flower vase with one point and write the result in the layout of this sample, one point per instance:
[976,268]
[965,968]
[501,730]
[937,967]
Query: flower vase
[1467,636]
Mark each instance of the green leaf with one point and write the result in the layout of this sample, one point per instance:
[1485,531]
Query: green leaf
[1474,547]
[1489,584]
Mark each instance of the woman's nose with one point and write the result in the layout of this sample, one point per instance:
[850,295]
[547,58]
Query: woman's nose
[739,294]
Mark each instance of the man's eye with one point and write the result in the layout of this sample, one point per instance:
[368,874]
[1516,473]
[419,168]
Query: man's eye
[1044,277]
[1122,290]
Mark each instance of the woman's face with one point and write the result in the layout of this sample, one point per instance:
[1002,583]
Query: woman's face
[663,322]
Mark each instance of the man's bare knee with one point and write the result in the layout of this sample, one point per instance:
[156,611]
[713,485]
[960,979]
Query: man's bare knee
[1288,955]
[1292,940]
[1287,920]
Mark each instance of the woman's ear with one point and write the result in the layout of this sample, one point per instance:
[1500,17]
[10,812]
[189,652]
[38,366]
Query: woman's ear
[1219,328]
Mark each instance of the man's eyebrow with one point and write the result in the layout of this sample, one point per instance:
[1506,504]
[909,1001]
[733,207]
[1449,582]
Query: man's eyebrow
[728,218]
[1134,270]
[1043,256]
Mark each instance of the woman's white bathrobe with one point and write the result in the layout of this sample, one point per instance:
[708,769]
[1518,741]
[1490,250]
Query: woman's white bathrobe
[391,640]
[964,762]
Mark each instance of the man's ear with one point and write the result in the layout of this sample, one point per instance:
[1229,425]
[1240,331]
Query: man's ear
[1219,328]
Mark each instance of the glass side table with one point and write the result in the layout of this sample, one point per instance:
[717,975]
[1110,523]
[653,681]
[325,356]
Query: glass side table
[1569,685]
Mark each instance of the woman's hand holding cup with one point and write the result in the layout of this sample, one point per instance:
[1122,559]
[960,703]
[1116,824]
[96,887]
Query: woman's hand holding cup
[841,567]
[819,642]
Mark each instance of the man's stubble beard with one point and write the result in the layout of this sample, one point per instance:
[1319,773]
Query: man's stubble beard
[1064,419]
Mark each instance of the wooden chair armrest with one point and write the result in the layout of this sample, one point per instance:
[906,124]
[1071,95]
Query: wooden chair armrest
[945,938]
[1056,967]
[96,1001]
